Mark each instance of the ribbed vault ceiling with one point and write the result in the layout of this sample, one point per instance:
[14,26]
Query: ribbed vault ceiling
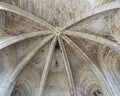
[58,42]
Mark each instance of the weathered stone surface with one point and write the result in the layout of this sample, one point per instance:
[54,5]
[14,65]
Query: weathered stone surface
[59,47]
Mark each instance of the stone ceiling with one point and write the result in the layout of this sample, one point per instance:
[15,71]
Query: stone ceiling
[59,47]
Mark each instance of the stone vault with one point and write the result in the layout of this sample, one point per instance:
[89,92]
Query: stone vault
[59,47]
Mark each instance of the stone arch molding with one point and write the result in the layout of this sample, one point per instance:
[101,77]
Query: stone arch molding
[53,35]
[109,62]
[89,83]
[27,83]
[18,91]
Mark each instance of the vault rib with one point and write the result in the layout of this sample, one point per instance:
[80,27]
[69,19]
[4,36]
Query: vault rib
[76,48]
[89,62]
[21,12]
[92,12]
[9,40]
[97,39]
[101,60]
[68,69]
[28,57]
[47,67]
[108,72]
